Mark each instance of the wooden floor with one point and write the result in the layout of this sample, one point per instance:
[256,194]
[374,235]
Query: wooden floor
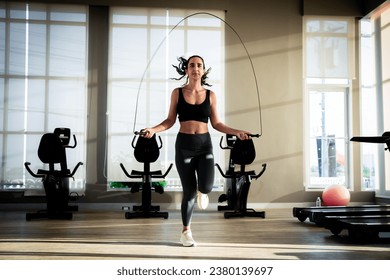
[101,234]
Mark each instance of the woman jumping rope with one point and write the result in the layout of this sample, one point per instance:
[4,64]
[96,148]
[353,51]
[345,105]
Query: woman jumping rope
[194,105]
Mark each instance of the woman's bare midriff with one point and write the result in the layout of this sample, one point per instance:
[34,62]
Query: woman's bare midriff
[193,127]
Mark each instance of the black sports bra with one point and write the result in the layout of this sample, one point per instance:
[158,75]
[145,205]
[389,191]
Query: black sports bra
[193,112]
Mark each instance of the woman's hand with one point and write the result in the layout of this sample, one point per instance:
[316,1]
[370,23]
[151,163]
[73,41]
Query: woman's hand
[243,135]
[147,132]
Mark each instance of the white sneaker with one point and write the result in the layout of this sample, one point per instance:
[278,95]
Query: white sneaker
[186,239]
[203,200]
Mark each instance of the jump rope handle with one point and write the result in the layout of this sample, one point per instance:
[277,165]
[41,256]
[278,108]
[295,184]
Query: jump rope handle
[140,133]
[254,135]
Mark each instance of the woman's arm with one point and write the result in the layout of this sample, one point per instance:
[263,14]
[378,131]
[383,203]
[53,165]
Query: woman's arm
[169,121]
[220,126]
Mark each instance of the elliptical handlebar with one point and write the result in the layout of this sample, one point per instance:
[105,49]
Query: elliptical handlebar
[238,174]
[230,147]
[224,175]
[141,176]
[74,145]
[70,175]
[142,134]
[224,147]
[75,169]
[133,144]
[127,173]
[261,172]
[234,174]
[165,174]
[27,165]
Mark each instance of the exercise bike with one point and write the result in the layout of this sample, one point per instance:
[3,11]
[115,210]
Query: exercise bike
[242,153]
[146,151]
[51,151]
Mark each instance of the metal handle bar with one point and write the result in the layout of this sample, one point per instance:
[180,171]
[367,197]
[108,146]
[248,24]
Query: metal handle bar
[224,147]
[140,176]
[75,169]
[238,174]
[75,143]
[230,147]
[142,134]
[27,165]
[165,174]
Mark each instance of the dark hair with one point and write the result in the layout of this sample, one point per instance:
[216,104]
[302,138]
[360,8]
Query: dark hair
[183,65]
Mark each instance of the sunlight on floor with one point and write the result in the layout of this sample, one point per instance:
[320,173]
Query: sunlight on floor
[114,249]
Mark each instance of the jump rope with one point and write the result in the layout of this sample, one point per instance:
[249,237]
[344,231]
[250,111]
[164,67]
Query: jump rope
[163,41]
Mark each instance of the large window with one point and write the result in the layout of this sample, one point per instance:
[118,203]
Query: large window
[42,86]
[375,98]
[328,46]
[144,43]
[368,111]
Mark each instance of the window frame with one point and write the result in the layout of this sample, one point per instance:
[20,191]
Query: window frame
[47,16]
[380,34]
[113,173]
[327,84]
[330,88]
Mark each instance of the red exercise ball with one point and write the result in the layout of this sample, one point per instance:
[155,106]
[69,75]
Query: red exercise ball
[336,195]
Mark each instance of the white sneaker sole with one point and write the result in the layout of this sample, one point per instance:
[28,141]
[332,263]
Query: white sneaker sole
[205,201]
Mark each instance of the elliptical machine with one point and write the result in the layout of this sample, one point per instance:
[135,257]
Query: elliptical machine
[242,153]
[146,151]
[51,151]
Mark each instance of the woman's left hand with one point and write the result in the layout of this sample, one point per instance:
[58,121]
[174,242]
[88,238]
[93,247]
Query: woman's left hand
[243,135]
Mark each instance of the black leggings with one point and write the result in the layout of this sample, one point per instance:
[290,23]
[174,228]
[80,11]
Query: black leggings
[195,163]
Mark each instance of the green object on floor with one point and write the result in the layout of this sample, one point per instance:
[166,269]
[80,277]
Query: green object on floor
[129,185]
